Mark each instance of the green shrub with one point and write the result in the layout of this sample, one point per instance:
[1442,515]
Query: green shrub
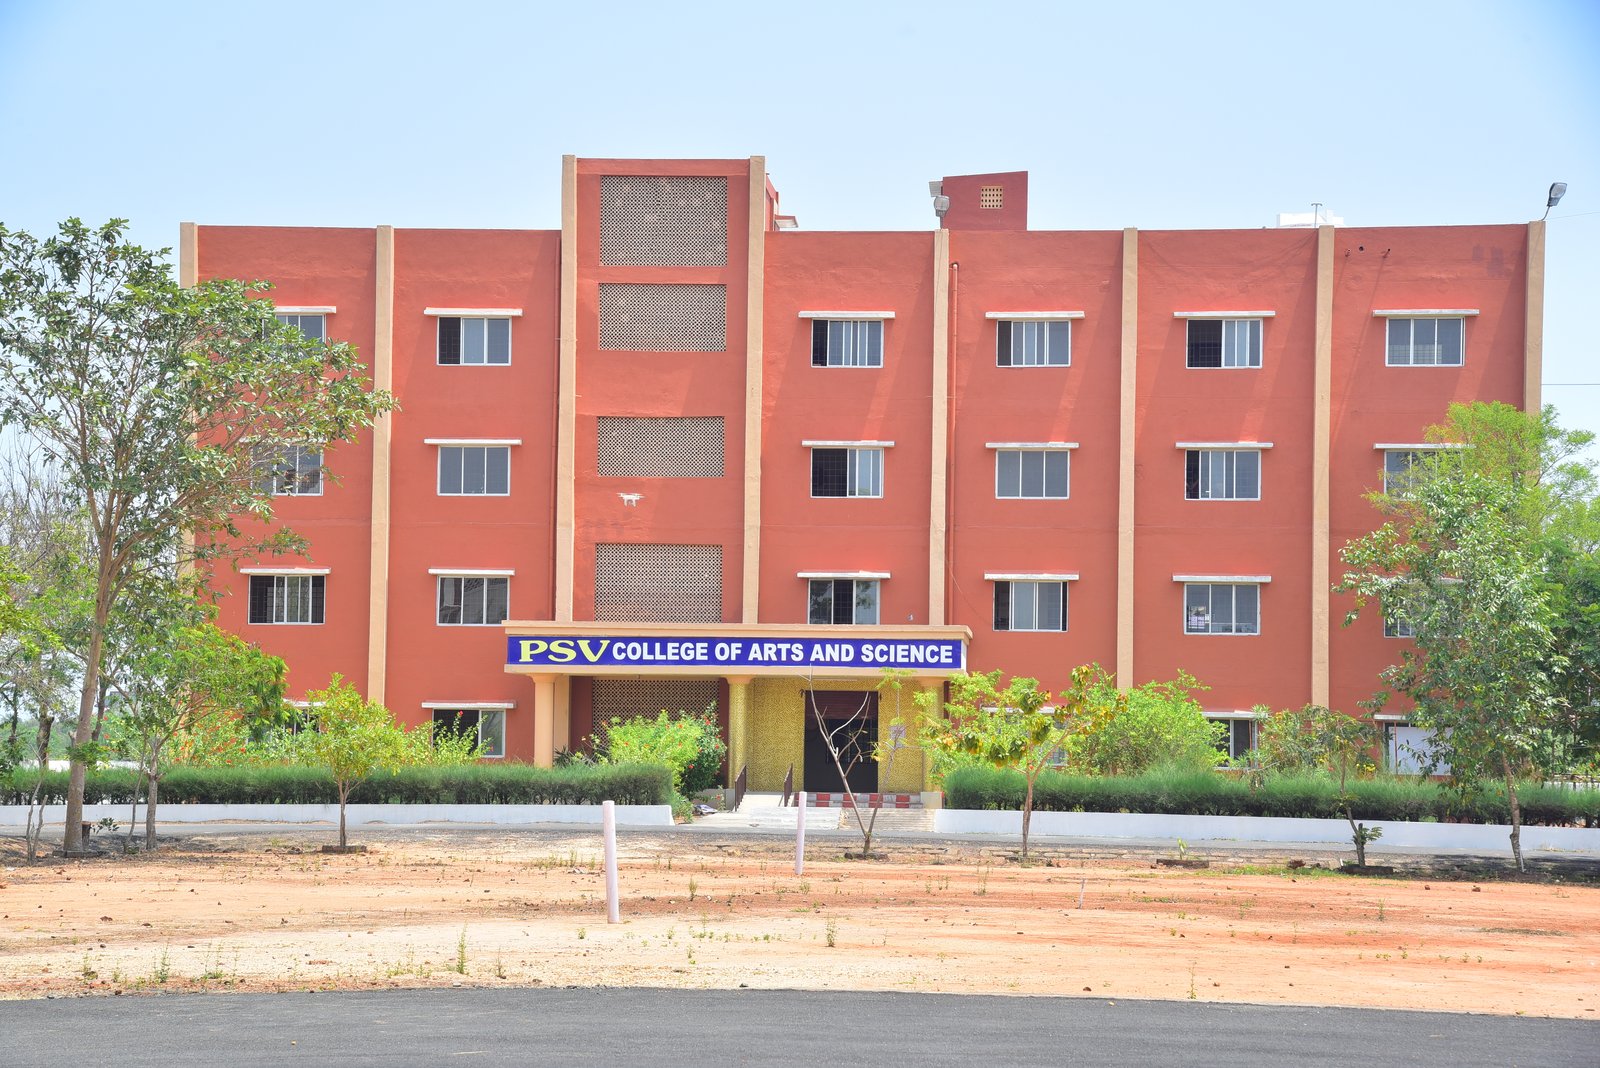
[472,784]
[1186,792]
[690,743]
[1160,725]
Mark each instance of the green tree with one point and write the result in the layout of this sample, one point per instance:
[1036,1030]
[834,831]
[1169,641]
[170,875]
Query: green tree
[185,678]
[353,738]
[1575,571]
[1160,724]
[1316,739]
[152,400]
[1019,725]
[1464,558]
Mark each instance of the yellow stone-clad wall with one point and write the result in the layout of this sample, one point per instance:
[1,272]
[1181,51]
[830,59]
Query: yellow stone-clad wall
[776,725]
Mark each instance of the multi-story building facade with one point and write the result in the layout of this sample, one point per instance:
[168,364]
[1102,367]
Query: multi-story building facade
[680,452]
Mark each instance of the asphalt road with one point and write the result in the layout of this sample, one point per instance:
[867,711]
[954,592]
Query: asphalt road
[699,1028]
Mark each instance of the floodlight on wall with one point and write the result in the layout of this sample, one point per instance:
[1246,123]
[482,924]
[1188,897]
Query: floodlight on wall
[1557,191]
[785,222]
[940,206]
[631,500]
[936,189]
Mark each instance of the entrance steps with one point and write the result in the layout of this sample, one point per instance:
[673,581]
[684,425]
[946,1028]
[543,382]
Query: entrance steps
[883,801]
[765,812]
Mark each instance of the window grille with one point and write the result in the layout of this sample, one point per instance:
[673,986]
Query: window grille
[652,221]
[1224,343]
[661,448]
[663,318]
[991,196]
[629,698]
[658,583]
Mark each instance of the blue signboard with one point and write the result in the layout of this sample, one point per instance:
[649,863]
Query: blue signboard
[721,654]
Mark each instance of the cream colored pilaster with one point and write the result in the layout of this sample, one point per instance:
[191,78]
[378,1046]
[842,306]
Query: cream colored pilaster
[1127,413]
[382,432]
[1533,336]
[188,254]
[1321,458]
[567,402]
[562,728]
[544,719]
[938,497]
[755,306]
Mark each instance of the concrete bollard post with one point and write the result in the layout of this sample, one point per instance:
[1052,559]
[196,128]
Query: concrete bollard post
[800,836]
[608,823]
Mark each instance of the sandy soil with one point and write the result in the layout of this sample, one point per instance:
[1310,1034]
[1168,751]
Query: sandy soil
[443,909]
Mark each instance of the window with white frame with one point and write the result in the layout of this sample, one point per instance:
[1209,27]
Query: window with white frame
[311,324]
[1033,343]
[287,598]
[842,601]
[485,726]
[1425,342]
[467,470]
[852,471]
[473,600]
[292,471]
[1237,735]
[1030,605]
[1222,474]
[1221,608]
[474,339]
[1031,473]
[1397,464]
[1224,343]
[847,342]
[1395,627]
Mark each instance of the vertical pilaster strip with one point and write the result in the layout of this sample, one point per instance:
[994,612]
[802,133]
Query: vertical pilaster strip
[754,333]
[1127,413]
[1533,331]
[188,254]
[738,725]
[382,431]
[188,277]
[561,721]
[567,402]
[939,485]
[1321,460]
[544,719]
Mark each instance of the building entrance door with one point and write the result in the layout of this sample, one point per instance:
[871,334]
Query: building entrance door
[850,719]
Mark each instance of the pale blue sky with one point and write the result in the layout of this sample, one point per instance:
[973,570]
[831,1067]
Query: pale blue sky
[1158,115]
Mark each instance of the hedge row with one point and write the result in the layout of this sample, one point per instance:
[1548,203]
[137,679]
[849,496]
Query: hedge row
[1210,794]
[473,784]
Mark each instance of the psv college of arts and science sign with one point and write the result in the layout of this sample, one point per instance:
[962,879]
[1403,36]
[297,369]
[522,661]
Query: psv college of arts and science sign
[722,655]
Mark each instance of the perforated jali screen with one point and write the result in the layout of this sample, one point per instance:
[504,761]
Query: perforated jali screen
[672,447]
[658,583]
[659,221]
[627,698]
[663,318]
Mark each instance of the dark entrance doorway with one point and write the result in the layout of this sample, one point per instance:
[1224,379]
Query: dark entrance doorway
[852,720]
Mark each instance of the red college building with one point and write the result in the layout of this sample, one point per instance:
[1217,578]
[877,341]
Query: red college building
[680,452]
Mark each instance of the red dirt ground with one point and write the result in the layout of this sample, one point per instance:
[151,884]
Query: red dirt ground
[464,908]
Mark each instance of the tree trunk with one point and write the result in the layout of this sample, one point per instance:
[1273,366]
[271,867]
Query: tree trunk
[344,795]
[16,715]
[1516,814]
[150,812]
[42,748]
[133,808]
[72,838]
[1027,814]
